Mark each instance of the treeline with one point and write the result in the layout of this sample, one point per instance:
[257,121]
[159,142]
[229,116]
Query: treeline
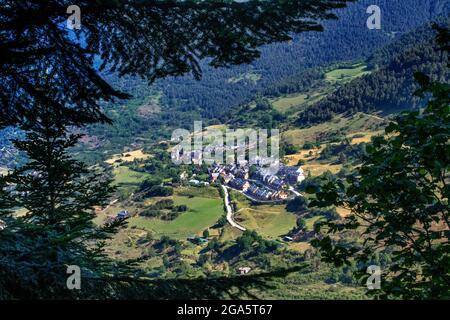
[390,87]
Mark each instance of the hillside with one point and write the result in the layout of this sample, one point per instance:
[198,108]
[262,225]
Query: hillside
[390,86]
[344,39]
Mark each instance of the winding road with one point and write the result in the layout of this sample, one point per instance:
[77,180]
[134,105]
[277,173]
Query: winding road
[230,210]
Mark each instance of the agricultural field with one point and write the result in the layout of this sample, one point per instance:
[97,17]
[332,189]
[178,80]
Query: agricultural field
[297,102]
[203,213]
[305,287]
[359,123]
[342,75]
[364,137]
[358,129]
[317,169]
[127,157]
[307,155]
[269,220]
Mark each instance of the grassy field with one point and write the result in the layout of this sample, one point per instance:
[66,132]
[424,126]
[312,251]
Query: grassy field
[343,212]
[125,176]
[229,233]
[347,74]
[297,102]
[128,157]
[269,220]
[203,213]
[309,223]
[359,129]
[364,137]
[285,103]
[317,169]
[293,159]
[201,192]
[359,123]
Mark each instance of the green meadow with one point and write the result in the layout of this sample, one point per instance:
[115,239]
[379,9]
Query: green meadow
[125,176]
[269,220]
[202,214]
[347,73]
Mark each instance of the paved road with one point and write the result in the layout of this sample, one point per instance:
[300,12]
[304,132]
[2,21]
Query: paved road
[298,194]
[230,210]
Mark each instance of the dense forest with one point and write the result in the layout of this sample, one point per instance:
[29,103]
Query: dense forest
[345,39]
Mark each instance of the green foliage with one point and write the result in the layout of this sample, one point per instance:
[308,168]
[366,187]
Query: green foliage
[252,240]
[59,195]
[164,209]
[289,149]
[221,222]
[389,86]
[177,35]
[298,204]
[301,223]
[149,183]
[399,200]
[158,191]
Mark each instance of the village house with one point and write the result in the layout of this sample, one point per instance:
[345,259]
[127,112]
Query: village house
[273,182]
[292,175]
[259,193]
[227,178]
[214,176]
[240,184]
[194,182]
[280,195]
[197,240]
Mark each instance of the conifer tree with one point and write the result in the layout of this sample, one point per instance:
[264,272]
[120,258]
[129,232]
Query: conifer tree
[399,200]
[58,196]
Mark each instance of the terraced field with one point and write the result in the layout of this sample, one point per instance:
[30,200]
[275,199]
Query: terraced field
[125,176]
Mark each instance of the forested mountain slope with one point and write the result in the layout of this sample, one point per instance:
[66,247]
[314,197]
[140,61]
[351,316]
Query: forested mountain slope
[345,39]
[151,116]
[390,86]
[283,68]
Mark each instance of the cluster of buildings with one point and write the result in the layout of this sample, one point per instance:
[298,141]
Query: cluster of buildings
[258,184]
